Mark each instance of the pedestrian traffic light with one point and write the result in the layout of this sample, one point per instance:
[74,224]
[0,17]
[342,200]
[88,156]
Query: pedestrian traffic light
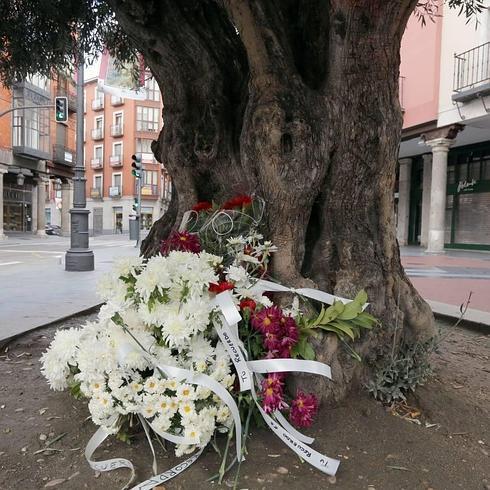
[61,109]
[136,205]
[137,165]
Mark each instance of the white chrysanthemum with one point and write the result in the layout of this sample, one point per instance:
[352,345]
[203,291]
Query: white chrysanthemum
[124,266]
[111,288]
[62,353]
[161,422]
[152,384]
[200,349]
[223,414]
[176,329]
[187,409]
[181,449]
[186,393]
[238,275]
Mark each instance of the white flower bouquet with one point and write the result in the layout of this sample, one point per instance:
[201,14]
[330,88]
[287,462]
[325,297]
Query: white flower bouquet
[189,343]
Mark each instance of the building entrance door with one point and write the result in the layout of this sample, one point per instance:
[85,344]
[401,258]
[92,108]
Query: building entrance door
[98,222]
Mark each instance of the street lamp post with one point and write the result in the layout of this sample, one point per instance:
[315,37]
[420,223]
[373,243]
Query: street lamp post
[79,257]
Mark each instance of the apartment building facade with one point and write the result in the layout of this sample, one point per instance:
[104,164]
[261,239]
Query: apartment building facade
[37,156]
[115,129]
[444,173]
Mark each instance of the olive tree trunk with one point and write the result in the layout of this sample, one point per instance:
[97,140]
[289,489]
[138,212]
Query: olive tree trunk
[297,102]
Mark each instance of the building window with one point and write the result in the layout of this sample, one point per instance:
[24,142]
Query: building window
[98,94]
[147,118]
[98,152]
[118,119]
[99,122]
[98,183]
[152,89]
[117,149]
[151,177]
[47,215]
[143,145]
[117,180]
[30,127]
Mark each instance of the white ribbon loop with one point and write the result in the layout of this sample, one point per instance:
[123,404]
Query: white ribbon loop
[262,286]
[169,474]
[109,464]
[289,365]
[217,388]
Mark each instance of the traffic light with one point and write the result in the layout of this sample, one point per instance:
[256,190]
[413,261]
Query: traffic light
[136,205]
[137,165]
[61,109]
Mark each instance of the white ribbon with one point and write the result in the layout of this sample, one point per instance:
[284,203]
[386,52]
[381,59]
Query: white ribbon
[109,464]
[169,474]
[262,286]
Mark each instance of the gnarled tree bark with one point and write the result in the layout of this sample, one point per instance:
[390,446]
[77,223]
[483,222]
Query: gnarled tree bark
[296,101]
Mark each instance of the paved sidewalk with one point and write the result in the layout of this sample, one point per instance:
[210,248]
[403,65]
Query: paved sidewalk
[446,281]
[36,290]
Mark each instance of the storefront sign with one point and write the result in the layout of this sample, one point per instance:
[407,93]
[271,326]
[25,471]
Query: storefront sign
[466,186]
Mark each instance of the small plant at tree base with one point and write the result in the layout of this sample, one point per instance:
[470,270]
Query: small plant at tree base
[403,371]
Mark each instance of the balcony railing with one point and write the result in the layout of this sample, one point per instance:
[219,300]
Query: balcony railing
[147,126]
[98,104]
[116,130]
[149,190]
[96,193]
[63,155]
[116,100]
[471,76]
[115,191]
[97,134]
[115,160]
[97,163]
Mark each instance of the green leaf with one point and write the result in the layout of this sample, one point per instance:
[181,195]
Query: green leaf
[330,314]
[351,310]
[361,297]
[308,352]
[331,328]
[344,327]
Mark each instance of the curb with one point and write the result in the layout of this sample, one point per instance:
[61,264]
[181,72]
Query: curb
[477,319]
[86,311]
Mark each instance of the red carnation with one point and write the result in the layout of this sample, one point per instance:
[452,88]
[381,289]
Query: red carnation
[237,202]
[248,303]
[182,241]
[202,206]
[220,287]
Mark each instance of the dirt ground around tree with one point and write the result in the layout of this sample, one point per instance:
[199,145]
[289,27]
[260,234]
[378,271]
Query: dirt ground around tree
[446,447]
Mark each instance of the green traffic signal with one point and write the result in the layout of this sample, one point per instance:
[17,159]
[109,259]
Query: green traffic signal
[61,109]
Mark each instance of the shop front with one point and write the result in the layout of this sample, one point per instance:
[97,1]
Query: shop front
[17,205]
[468,198]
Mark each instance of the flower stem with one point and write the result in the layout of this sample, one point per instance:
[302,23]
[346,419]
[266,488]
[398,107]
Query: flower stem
[222,469]
[244,444]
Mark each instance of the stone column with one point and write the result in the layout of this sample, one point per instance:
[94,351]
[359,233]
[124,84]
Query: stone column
[41,206]
[2,171]
[66,202]
[404,200]
[34,209]
[427,178]
[437,213]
